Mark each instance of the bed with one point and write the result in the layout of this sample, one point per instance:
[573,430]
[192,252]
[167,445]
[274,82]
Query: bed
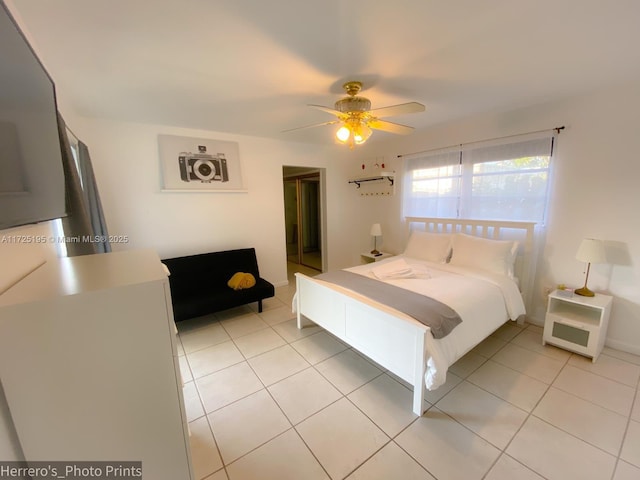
[454,261]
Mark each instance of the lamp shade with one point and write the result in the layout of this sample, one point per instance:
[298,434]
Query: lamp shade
[376,231]
[591,250]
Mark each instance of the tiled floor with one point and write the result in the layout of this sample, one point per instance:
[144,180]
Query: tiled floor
[267,401]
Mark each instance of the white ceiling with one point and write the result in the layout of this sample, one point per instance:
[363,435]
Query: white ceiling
[251,66]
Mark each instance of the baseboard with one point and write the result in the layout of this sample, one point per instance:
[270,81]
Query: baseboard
[622,346]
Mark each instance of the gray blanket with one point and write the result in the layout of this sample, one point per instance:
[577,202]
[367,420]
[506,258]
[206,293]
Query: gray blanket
[440,318]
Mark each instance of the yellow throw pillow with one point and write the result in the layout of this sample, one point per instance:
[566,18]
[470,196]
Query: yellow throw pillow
[241,280]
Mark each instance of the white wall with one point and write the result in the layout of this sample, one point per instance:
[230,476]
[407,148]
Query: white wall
[595,193]
[126,164]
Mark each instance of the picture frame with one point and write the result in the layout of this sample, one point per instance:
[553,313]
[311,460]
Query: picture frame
[199,165]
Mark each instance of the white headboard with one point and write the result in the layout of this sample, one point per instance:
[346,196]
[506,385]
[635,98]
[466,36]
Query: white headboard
[523,232]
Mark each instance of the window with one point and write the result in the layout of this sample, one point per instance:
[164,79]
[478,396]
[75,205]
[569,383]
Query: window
[505,179]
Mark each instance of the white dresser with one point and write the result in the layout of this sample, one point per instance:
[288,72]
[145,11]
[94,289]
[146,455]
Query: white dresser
[89,366]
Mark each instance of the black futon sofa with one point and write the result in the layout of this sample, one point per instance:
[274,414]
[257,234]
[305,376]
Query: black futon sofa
[199,282]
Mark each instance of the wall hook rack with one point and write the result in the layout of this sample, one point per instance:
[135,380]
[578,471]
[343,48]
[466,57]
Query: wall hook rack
[358,181]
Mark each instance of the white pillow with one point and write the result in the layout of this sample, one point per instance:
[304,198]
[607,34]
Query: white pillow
[433,247]
[494,256]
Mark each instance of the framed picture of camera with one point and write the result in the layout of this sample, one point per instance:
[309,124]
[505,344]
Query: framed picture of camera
[199,164]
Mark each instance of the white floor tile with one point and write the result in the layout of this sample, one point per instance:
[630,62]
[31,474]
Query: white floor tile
[290,331]
[589,422]
[627,357]
[387,403]
[192,403]
[228,385]
[432,396]
[276,315]
[243,325]
[318,347]
[270,303]
[466,365]
[278,364]
[391,463]
[594,388]
[530,363]
[235,312]
[219,475]
[506,468]
[483,413]
[447,449]
[557,455]
[247,424]
[204,452]
[259,342]
[534,328]
[531,339]
[507,331]
[610,367]
[631,446]
[303,394]
[198,338]
[488,347]
[212,359]
[353,437]
[522,391]
[347,371]
[626,471]
[195,323]
[284,457]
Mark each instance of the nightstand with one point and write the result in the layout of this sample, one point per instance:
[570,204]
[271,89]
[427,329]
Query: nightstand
[370,257]
[576,323]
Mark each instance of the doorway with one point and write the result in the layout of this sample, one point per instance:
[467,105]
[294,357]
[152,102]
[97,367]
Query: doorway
[303,216]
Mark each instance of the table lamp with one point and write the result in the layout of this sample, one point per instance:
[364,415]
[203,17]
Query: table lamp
[590,251]
[376,231]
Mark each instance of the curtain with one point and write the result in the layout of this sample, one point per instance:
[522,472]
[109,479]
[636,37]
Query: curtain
[80,203]
[500,179]
[433,184]
[92,200]
[507,180]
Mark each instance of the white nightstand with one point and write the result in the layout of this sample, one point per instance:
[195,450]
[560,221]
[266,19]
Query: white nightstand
[370,257]
[577,323]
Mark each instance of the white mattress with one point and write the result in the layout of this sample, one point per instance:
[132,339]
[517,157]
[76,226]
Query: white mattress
[483,301]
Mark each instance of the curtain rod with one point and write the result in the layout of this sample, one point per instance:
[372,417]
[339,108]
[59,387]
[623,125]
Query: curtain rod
[557,130]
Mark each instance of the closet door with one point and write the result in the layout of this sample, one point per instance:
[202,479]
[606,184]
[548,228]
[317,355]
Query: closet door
[302,220]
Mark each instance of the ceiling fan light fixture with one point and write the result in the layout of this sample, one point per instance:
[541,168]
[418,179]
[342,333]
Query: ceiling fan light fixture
[362,134]
[343,133]
[356,119]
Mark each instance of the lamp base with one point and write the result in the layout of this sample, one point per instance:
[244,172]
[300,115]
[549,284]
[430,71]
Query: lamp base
[375,252]
[584,291]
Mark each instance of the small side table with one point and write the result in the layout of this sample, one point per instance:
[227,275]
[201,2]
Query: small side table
[370,257]
[577,323]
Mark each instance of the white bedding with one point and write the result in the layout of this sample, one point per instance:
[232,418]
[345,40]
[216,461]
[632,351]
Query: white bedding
[483,301]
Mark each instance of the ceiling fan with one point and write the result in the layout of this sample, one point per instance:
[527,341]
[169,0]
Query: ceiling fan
[358,120]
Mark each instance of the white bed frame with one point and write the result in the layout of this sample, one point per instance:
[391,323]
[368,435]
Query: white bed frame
[394,342]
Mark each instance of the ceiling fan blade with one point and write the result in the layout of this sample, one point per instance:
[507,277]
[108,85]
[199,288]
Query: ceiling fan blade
[390,127]
[411,107]
[311,126]
[327,109]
